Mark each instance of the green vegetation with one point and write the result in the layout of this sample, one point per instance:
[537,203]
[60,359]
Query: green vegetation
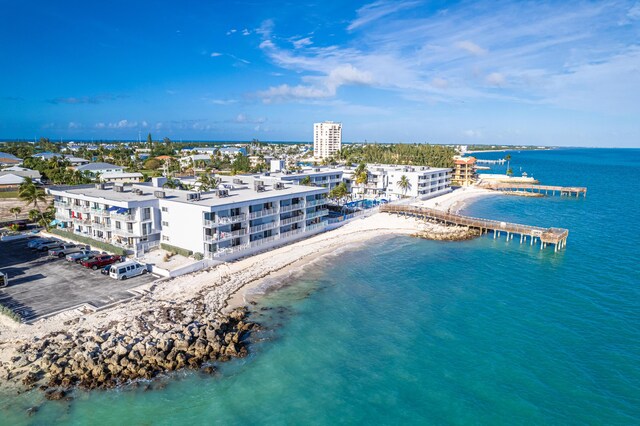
[57,170]
[8,194]
[339,191]
[9,313]
[15,211]
[306,181]
[174,249]
[90,241]
[404,184]
[198,256]
[241,164]
[410,154]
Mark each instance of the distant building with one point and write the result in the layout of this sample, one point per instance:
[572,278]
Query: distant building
[99,168]
[464,172]
[9,159]
[74,161]
[327,139]
[10,182]
[21,171]
[276,166]
[122,177]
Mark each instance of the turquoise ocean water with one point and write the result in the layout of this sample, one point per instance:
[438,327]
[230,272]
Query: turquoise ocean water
[407,331]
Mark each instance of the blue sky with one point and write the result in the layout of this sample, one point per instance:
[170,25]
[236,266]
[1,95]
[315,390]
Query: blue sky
[493,72]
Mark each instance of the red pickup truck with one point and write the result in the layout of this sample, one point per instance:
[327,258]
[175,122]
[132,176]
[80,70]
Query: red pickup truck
[100,261]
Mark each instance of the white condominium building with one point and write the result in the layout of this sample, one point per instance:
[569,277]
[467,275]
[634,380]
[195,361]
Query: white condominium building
[327,138]
[384,181]
[329,177]
[245,214]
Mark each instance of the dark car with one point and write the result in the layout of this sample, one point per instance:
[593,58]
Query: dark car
[105,270]
[100,261]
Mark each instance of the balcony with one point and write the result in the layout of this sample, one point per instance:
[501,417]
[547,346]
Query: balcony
[125,217]
[318,213]
[231,219]
[318,225]
[262,213]
[263,227]
[125,233]
[313,203]
[101,226]
[263,241]
[228,250]
[220,236]
[290,220]
[100,212]
[61,204]
[291,233]
[291,207]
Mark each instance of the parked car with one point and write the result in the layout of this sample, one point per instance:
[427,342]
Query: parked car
[76,256]
[100,261]
[127,269]
[37,241]
[87,257]
[49,246]
[66,249]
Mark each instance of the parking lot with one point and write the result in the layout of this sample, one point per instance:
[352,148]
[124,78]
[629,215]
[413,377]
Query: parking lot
[40,286]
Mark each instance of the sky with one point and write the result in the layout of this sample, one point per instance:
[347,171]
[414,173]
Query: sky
[560,73]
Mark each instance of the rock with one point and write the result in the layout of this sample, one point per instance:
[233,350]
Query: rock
[55,395]
[209,369]
[32,410]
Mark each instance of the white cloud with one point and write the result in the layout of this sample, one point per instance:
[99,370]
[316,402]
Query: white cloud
[231,31]
[303,42]
[215,54]
[223,101]
[74,125]
[470,47]
[376,10]
[496,79]
[472,134]
[634,12]
[241,118]
[267,44]
[100,125]
[246,32]
[319,87]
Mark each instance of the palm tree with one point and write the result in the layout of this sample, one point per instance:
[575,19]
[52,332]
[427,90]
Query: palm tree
[15,211]
[172,184]
[306,181]
[508,158]
[30,193]
[362,177]
[404,184]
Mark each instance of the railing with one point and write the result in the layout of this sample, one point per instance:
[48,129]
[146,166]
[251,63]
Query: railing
[290,220]
[318,225]
[125,217]
[263,227]
[97,225]
[263,241]
[313,203]
[262,213]
[124,232]
[318,213]
[291,207]
[226,235]
[100,212]
[231,219]
[62,204]
[290,233]
[82,209]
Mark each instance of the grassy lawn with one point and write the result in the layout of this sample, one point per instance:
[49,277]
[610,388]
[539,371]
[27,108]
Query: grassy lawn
[8,194]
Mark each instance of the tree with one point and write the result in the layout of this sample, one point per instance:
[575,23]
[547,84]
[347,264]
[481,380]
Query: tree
[404,184]
[240,164]
[306,181]
[30,193]
[15,211]
[339,191]
[152,164]
[508,158]
[172,184]
[362,175]
[150,144]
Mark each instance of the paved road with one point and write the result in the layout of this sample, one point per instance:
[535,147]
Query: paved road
[40,285]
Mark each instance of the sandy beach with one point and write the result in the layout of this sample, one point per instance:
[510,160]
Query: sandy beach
[225,286]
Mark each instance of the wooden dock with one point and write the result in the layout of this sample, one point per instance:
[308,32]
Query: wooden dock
[545,236]
[568,191]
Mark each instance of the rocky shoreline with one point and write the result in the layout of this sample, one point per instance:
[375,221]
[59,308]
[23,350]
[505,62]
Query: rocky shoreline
[156,342]
[447,233]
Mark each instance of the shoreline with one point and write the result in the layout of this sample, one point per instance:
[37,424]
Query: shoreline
[219,290]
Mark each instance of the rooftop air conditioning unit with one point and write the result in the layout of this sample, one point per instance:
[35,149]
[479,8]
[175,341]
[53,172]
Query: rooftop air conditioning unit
[118,188]
[238,181]
[258,186]
[221,193]
[99,185]
[267,173]
[278,185]
[317,169]
[193,196]
[159,194]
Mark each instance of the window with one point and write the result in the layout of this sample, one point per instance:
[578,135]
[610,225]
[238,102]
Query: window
[118,226]
[165,209]
[164,223]
[146,214]
[165,238]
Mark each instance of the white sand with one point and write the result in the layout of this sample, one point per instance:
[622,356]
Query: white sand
[230,282]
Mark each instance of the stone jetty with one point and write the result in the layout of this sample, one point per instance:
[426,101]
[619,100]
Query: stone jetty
[157,342]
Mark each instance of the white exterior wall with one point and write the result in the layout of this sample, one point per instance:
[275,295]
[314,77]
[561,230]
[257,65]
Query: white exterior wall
[182,225]
[327,139]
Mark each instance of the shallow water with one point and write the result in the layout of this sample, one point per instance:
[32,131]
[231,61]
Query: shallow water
[402,330]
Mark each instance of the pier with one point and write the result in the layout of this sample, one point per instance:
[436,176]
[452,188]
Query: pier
[481,161]
[568,191]
[545,236]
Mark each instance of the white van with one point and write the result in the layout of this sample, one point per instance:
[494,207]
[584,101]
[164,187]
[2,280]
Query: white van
[128,269]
